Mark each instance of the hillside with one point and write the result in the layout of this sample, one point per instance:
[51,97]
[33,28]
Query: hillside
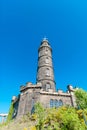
[20,124]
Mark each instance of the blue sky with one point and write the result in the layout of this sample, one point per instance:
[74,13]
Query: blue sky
[23,24]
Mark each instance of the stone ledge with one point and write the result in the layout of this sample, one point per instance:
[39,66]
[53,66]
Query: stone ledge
[29,85]
[55,93]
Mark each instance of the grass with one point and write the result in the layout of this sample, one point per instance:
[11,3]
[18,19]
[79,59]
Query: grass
[24,123]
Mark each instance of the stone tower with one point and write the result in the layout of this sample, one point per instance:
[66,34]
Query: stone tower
[44,90]
[45,72]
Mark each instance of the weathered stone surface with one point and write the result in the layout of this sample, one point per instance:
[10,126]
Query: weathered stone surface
[45,72]
[44,90]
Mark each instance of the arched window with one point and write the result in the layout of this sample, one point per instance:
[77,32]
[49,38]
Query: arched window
[60,102]
[46,51]
[51,103]
[48,86]
[47,60]
[47,72]
[56,103]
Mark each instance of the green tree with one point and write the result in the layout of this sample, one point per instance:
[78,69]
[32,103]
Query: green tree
[81,98]
[39,110]
[64,118]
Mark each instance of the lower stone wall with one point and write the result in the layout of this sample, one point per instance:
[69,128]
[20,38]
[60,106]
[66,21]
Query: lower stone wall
[48,99]
[45,99]
[27,101]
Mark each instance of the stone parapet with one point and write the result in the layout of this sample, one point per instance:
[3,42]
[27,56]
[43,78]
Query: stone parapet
[29,85]
[55,93]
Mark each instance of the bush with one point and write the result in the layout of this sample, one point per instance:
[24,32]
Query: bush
[9,117]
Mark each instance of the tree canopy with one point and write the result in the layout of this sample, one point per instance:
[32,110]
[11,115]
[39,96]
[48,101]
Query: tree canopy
[81,98]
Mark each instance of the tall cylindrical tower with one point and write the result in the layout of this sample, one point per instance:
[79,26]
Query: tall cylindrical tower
[45,72]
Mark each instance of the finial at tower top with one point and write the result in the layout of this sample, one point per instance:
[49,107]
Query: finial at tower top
[45,43]
[45,40]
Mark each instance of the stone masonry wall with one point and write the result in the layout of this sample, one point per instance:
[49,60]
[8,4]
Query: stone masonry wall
[45,99]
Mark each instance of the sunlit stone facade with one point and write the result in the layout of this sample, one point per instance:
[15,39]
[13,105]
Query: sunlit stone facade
[44,91]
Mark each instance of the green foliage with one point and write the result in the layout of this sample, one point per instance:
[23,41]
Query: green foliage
[9,117]
[39,110]
[33,117]
[3,124]
[81,98]
[65,117]
[62,118]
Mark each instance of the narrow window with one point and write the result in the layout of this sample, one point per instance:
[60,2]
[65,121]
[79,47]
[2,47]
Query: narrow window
[46,51]
[48,86]
[47,60]
[56,103]
[51,103]
[60,103]
[33,109]
[47,72]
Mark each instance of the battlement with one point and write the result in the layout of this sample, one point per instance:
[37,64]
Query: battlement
[51,92]
[29,85]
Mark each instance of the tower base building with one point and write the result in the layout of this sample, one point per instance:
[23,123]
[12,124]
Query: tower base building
[44,91]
